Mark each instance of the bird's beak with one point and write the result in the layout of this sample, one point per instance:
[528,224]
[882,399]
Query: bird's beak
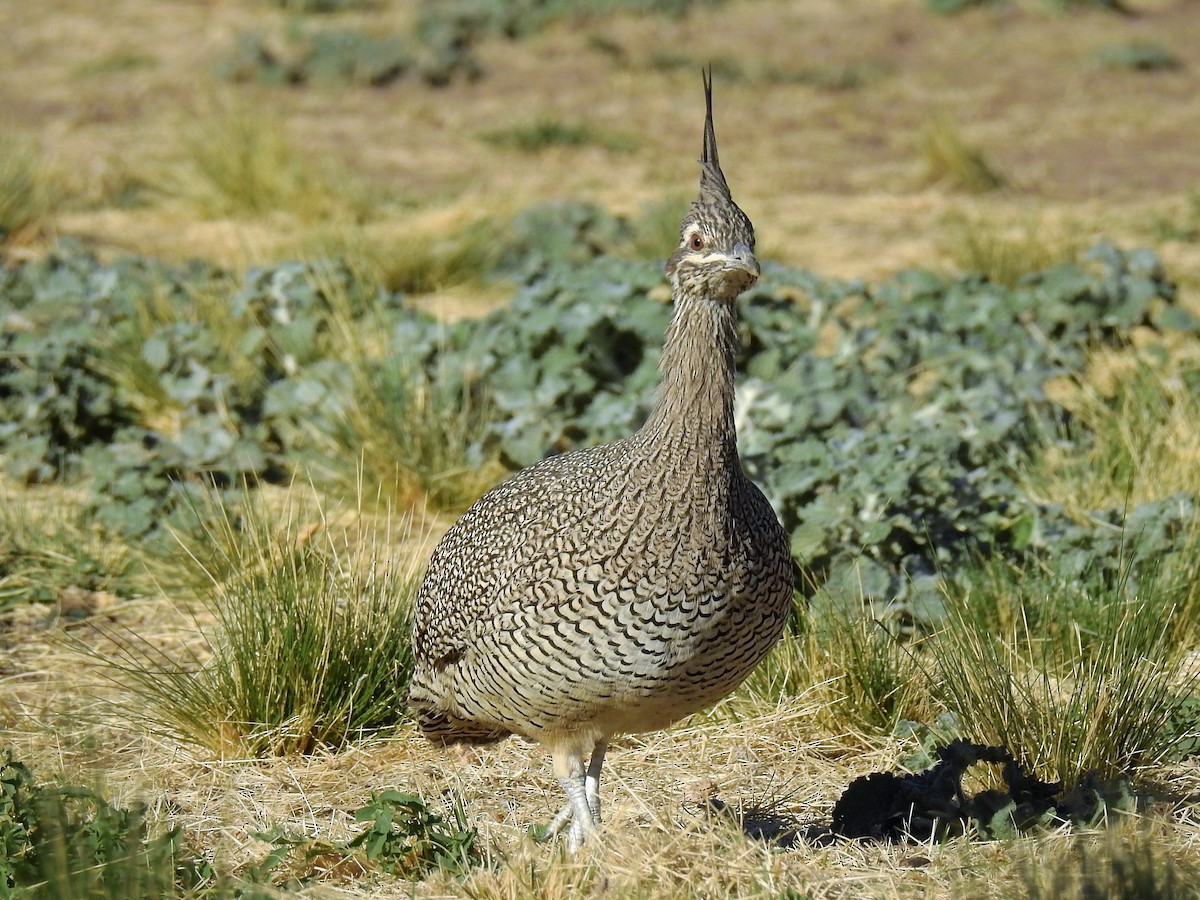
[743,257]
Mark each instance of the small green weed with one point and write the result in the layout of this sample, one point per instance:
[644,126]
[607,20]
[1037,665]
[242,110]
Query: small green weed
[404,837]
[1136,56]
[951,161]
[545,133]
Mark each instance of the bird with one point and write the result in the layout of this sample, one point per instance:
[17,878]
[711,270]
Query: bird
[619,588]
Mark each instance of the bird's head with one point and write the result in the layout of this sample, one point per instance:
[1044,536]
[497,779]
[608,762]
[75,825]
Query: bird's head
[715,256]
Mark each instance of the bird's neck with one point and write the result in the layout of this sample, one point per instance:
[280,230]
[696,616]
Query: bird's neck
[693,411]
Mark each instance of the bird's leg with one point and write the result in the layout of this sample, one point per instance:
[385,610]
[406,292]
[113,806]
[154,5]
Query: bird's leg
[581,819]
[582,789]
[591,782]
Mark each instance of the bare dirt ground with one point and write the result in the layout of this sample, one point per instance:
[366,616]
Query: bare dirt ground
[834,181]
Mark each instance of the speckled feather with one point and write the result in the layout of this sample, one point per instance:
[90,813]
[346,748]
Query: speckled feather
[617,588]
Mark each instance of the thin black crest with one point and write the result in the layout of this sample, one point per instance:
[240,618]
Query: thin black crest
[712,179]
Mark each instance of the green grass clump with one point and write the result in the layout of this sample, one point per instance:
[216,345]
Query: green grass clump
[545,133]
[949,7]
[1071,675]
[309,645]
[117,63]
[413,436]
[420,264]
[1125,448]
[1183,228]
[25,200]
[51,553]
[322,6]
[1004,254]
[860,674]
[240,163]
[951,161]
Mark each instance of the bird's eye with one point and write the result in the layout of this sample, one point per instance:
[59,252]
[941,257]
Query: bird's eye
[696,242]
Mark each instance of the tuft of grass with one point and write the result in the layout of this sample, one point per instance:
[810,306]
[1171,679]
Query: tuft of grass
[1005,254]
[863,678]
[1132,437]
[117,63]
[873,680]
[1072,676]
[50,553]
[654,233]
[1185,228]
[240,163]
[307,648]
[951,161]
[950,7]
[25,194]
[405,434]
[323,6]
[424,263]
[544,133]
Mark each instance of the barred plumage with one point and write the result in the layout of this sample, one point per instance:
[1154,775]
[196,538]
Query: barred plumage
[619,588]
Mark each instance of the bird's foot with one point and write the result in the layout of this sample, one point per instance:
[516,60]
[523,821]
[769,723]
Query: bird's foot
[580,816]
[555,826]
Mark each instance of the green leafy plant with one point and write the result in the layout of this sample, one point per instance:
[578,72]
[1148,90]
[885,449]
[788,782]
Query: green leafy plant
[892,426]
[68,841]
[404,837]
